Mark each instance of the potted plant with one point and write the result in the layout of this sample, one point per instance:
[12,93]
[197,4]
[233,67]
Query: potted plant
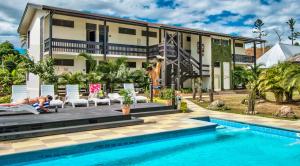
[127,100]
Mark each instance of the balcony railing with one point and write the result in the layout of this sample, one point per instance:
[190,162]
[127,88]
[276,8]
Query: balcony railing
[78,46]
[243,58]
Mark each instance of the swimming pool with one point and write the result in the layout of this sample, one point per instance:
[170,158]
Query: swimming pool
[227,146]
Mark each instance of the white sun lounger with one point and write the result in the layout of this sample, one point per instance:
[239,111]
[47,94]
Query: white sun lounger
[19,92]
[72,96]
[18,108]
[93,97]
[115,97]
[136,99]
[49,90]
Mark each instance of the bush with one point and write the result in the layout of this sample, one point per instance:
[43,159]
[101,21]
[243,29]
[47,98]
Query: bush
[166,94]
[186,90]
[5,99]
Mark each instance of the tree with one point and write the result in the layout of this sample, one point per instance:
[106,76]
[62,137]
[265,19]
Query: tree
[294,35]
[45,70]
[72,78]
[6,48]
[277,80]
[278,34]
[252,87]
[16,76]
[240,76]
[90,60]
[258,24]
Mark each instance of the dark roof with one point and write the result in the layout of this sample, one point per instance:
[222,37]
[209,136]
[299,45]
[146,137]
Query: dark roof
[77,13]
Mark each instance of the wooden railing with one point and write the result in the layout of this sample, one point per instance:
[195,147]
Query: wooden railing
[78,46]
[243,58]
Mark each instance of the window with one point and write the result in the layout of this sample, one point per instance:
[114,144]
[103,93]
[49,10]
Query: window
[151,34]
[239,45]
[28,39]
[188,38]
[102,34]
[217,64]
[131,64]
[63,62]
[225,42]
[64,23]
[91,26]
[217,41]
[127,31]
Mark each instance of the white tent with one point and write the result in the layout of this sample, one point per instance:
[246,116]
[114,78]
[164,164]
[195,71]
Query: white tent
[278,53]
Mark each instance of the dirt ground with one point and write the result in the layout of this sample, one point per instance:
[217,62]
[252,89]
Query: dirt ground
[266,109]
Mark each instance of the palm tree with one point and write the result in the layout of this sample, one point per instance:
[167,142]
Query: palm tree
[292,22]
[73,78]
[291,80]
[90,60]
[252,86]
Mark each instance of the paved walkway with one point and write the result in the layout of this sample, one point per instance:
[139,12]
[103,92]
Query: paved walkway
[153,124]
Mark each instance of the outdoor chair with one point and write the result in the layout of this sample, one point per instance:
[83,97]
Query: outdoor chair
[49,90]
[72,96]
[136,99]
[18,93]
[115,97]
[18,108]
[94,89]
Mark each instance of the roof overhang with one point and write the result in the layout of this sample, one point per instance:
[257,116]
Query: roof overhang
[31,8]
[27,16]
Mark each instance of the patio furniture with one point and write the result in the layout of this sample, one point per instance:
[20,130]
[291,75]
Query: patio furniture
[73,97]
[94,89]
[19,92]
[49,90]
[136,99]
[18,107]
[115,97]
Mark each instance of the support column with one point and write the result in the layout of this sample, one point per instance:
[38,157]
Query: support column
[50,33]
[105,41]
[179,61]
[173,85]
[233,53]
[200,56]
[159,36]
[147,43]
[254,53]
[165,59]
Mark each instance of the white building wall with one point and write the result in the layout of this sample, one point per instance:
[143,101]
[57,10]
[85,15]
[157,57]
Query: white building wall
[33,82]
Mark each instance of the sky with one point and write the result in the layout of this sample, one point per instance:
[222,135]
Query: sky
[234,17]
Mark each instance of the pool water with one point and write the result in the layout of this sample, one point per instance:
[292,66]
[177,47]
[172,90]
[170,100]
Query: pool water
[226,146]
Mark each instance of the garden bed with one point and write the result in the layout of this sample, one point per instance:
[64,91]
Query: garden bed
[265,109]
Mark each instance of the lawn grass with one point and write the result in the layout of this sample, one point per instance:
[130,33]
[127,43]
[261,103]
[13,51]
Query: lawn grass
[266,109]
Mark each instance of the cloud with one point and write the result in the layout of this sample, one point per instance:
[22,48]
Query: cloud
[233,17]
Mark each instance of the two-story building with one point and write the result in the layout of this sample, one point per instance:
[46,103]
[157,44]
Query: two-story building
[62,34]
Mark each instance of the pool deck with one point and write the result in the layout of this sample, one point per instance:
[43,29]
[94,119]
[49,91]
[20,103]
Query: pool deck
[153,124]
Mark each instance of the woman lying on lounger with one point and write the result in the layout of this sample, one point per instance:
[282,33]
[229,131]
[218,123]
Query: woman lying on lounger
[41,103]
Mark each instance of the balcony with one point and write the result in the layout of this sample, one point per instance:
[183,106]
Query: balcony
[78,46]
[243,58]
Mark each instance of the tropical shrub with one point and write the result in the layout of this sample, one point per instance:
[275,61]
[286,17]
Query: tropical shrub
[45,70]
[166,94]
[240,76]
[73,78]
[5,99]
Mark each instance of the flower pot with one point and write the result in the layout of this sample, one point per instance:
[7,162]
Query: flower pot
[126,109]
